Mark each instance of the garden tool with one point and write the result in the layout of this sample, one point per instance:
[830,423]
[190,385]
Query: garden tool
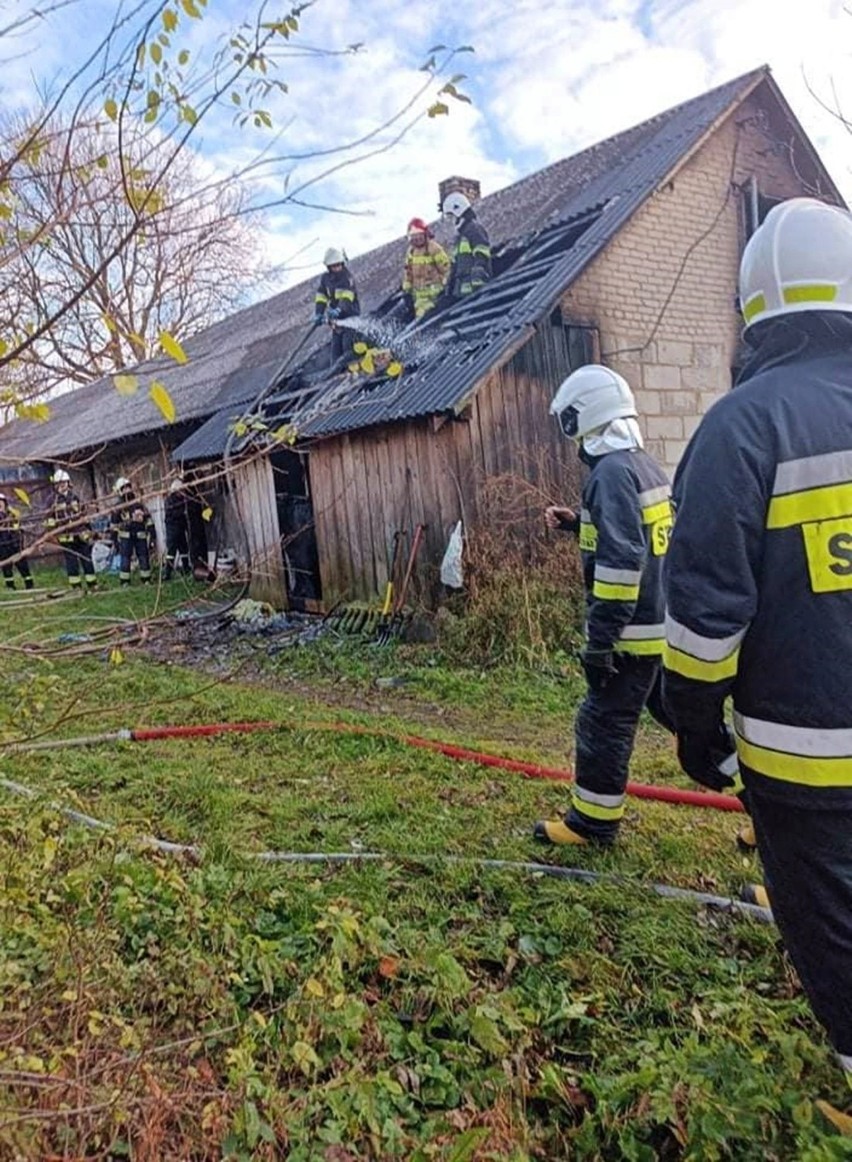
[389,591]
[394,627]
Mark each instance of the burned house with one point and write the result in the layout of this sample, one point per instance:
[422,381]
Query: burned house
[625,253]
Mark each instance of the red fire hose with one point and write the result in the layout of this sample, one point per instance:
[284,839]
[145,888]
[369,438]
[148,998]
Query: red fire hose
[687,798]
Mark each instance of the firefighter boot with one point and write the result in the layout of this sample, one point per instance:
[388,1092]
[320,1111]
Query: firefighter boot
[10,584]
[554,831]
[842,1122]
[756,894]
[746,839]
[28,583]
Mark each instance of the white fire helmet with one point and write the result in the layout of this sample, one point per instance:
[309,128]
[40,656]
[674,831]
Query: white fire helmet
[590,398]
[176,485]
[60,476]
[798,259]
[334,257]
[455,205]
[121,484]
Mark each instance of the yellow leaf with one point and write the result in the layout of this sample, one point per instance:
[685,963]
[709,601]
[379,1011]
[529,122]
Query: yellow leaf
[171,347]
[156,53]
[163,401]
[111,109]
[116,657]
[170,19]
[314,988]
[359,348]
[367,364]
[23,496]
[394,369]
[125,384]
[207,513]
[437,109]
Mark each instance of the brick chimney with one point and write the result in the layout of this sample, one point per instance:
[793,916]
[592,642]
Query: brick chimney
[470,187]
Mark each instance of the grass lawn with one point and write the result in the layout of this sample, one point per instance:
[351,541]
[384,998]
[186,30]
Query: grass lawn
[158,1007]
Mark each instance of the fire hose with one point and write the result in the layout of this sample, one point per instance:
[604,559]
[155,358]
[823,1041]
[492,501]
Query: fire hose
[678,795]
[552,871]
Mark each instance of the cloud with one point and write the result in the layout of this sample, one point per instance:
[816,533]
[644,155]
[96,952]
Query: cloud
[547,80]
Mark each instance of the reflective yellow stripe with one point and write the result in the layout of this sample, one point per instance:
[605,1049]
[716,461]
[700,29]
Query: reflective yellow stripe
[645,647]
[754,306]
[321,298]
[595,811]
[348,295]
[796,768]
[608,591]
[588,537]
[655,512]
[812,504]
[814,292]
[696,668]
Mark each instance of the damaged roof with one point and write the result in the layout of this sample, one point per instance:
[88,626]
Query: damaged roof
[544,228]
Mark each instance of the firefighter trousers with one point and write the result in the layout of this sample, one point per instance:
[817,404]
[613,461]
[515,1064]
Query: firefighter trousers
[128,544]
[604,734]
[807,857]
[78,562]
[9,546]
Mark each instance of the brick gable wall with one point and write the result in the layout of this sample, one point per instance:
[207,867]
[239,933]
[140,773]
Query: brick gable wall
[676,349]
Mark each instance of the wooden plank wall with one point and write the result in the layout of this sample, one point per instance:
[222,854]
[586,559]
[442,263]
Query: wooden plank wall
[368,484]
[254,496]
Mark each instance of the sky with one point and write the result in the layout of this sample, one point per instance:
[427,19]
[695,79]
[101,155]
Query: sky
[545,80]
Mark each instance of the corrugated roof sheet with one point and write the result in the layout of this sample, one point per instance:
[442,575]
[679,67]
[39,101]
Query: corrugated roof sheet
[228,360]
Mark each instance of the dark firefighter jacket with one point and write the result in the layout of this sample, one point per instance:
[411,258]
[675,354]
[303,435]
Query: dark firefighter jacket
[625,521]
[130,518]
[66,509]
[759,575]
[471,267]
[337,291]
[10,531]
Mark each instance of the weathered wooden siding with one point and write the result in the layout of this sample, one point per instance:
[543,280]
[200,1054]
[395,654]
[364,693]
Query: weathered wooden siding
[254,498]
[366,485]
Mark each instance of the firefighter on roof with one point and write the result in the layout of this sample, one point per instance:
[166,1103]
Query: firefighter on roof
[759,591]
[623,529]
[336,298]
[471,268]
[427,267]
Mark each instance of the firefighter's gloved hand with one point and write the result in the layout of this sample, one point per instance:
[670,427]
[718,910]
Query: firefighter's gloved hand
[319,319]
[703,757]
[333,313]
[599,667]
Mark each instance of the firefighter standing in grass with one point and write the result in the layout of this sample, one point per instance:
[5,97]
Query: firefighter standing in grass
[132,530]
[427,267]
[74,534]
[471,268]
[11,543]
[623,529]
[759,592]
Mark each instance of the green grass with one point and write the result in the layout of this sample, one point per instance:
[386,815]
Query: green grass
[152,1007]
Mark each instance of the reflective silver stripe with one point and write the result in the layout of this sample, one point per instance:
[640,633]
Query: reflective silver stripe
[708,649]
[828,743]
[845,1061]
[654,495]
[812,472]
[598,800]
[618,576]
[585,516]
[642,632]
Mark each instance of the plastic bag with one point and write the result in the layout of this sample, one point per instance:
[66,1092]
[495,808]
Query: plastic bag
[452,569]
